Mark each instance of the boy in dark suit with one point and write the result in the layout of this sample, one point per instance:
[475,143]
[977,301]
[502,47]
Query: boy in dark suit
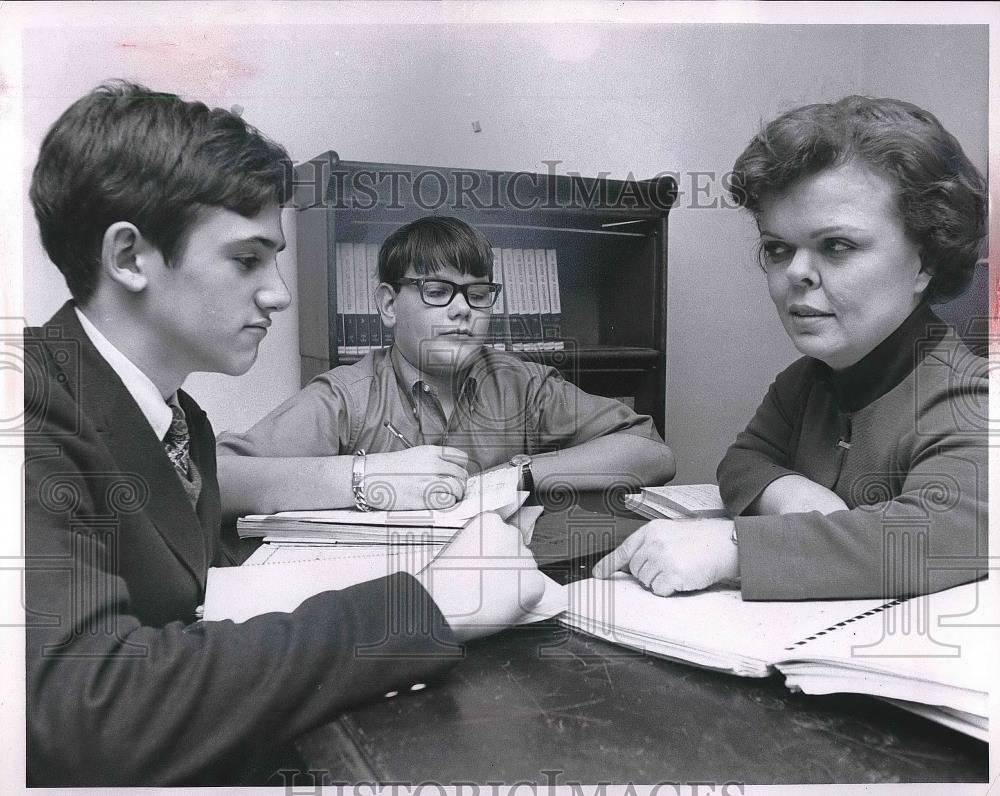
[164,217]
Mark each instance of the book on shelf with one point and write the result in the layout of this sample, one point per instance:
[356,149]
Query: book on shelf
[345,274]
[498,317]
[494,490]
[339,320]
[531,301]
[360,262]
[933,650]
[553,328]
[534,342]
[676,502]
[544,302]
[513,268]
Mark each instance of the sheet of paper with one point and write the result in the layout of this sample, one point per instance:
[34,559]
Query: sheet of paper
[281,579]
[239,593]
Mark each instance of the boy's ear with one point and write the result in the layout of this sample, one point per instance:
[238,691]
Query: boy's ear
[126,255]
[385,300]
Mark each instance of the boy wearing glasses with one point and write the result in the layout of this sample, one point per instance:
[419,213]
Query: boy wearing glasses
[455,405]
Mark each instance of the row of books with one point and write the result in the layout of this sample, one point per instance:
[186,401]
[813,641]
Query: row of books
[359,327]
[526,317]
[530,309]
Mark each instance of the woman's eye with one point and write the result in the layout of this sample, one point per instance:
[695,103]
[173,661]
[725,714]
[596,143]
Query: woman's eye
[775,251]
[248,262]
[837,246]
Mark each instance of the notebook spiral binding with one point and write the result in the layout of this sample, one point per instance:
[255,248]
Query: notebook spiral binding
[845,622]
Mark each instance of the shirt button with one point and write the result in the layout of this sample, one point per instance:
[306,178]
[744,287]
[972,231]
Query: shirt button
[391,694]
[418,686]
[427,388]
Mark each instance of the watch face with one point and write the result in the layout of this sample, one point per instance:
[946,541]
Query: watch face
[520,460]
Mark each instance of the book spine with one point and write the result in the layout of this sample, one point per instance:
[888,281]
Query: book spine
[339,276]
[350,305]
[534,306]
[361,296]
[513,277]
[552,266]
[544,304]
[498,317]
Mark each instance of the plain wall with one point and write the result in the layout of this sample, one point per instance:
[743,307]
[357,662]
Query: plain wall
[599,98]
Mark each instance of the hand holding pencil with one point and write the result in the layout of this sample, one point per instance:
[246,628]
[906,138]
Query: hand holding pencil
[420,477]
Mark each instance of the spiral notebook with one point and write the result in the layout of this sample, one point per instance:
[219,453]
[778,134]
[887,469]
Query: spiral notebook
[933,650]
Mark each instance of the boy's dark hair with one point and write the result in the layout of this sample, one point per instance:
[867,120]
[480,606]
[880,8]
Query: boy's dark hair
[941,196]
[125,153]
[432,243]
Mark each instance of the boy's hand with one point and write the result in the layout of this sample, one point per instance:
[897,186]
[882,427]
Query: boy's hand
[676,555]
[425,477]
[484,579]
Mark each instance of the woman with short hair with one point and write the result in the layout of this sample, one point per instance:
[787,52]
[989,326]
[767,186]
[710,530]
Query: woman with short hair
[863,473]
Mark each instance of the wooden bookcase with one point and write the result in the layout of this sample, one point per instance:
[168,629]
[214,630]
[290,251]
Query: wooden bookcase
[610,235]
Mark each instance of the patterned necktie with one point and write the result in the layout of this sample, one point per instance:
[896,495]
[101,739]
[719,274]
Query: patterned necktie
[177,442]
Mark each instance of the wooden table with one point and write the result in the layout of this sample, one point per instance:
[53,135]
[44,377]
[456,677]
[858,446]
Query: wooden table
[545,705]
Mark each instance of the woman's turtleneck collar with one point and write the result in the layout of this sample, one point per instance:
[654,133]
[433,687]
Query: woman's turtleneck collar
[889,363]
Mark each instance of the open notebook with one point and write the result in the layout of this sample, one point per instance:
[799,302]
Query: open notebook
[933,650]
[494,490]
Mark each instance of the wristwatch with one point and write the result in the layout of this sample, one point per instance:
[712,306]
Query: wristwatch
[526,482]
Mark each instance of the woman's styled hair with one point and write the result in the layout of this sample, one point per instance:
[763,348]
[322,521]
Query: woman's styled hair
[125,153]
[431,244]
[941,196]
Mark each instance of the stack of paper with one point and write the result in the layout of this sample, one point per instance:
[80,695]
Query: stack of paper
[714,628]
[494,491]
[931,651]
[686,501]
[970,723]
[931,655]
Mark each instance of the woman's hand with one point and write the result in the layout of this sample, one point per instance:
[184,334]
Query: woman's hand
[792,494]
[676,555]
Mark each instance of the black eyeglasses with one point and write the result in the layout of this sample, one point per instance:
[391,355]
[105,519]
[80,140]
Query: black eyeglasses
[440,292]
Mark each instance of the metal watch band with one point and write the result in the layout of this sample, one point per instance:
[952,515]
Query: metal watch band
[358,481]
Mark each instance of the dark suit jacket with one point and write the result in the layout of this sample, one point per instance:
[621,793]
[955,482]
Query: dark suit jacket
[123,686]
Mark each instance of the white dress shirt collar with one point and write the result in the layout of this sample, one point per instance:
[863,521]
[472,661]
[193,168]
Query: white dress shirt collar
[138,384]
